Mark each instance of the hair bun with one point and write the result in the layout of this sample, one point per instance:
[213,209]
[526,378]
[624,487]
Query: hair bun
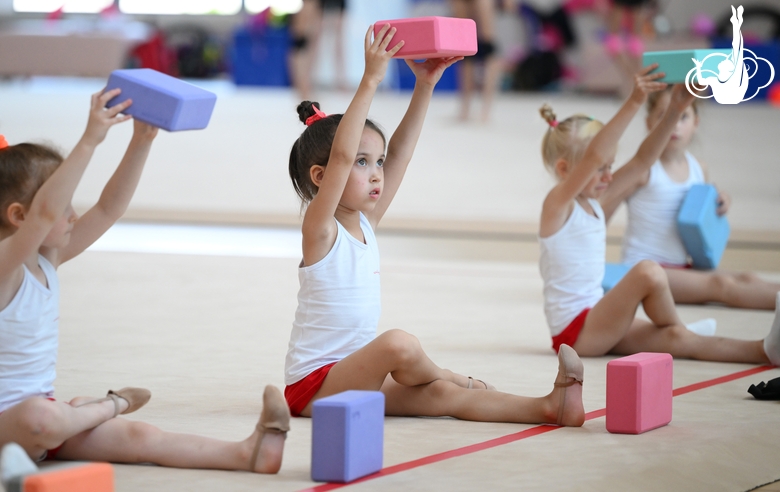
[547,113]
[306,111]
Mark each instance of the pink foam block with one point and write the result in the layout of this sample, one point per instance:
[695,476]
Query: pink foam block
[432,37]
[639,393]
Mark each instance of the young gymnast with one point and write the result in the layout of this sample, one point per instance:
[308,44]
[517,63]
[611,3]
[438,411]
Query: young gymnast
[38,232]
[580,151]
[655,193]
[339,169]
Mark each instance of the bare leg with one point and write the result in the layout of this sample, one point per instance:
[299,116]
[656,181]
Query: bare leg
[493,66]
[743,290]
[393,352]
[610,319]
[305,25]
[610,326]
[38,424]
[123,441]
[442,398]
[466,72]
[396,364]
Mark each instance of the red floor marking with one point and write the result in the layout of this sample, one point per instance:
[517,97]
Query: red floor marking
[533,431]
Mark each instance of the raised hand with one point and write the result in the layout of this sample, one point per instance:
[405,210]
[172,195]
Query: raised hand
[102,118]
[377,54]
[646,82]
[143,131]
[430,71]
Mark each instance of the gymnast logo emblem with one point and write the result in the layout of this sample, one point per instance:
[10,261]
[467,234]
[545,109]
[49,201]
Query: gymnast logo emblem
[730,83]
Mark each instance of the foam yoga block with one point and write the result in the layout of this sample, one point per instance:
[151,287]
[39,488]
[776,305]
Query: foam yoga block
[704,233]
[432,37]
[613,273]
[347,436]
[639,393]
[82,477]
[677,63]
[161,100]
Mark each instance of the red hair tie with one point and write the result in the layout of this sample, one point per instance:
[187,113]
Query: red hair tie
[3,142]
[554,124]
[317,116]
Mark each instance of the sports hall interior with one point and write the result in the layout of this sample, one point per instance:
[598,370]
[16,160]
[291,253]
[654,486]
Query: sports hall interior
[192,294]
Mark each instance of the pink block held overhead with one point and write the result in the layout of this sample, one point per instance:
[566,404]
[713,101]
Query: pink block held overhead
[432,37]
[639,393]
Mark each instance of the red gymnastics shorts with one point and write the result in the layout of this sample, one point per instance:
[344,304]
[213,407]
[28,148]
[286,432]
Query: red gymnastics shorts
[299,394]
[571,333]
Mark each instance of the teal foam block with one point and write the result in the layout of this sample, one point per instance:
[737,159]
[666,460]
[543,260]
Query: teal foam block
[676,64]
[704,233]
[613,272]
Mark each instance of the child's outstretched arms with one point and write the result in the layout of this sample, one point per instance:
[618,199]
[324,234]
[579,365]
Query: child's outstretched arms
[599,153]
[403,142]
[318,227]
[53,198]
[116,195]
[636,172]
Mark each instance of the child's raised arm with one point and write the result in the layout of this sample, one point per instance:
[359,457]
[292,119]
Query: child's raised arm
[599,153]
[116,195]
[319,229]
[404,140]
[636,172]
[53,198]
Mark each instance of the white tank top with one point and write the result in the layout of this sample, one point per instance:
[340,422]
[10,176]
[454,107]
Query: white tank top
[338,304]
[652,217]
[572,266]
[29,328]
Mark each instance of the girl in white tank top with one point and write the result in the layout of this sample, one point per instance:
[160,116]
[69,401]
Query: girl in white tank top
[39,231]
[341,172]
[653,203]
[572,236]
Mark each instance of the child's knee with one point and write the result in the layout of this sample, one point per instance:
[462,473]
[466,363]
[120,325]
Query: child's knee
[650,274]
[721,285]
[38,416]
[401,345]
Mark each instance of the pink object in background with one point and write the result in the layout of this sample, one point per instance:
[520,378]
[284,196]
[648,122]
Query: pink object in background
[432,37]
[639,393]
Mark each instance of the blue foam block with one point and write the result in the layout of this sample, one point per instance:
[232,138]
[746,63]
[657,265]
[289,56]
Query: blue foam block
[613,272]
[161,100]
[704,233]
[347,436]
[677,63]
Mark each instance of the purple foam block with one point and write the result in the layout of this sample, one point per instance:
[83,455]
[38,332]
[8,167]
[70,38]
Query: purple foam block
[639,393]
[347,436]
[161,100]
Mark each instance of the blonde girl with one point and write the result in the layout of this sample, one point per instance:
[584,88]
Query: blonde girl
[580,151]
[341,171]
[39,231]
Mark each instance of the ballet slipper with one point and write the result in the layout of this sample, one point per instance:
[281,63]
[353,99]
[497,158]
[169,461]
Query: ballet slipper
[489,387]
[135,397]
[274,419]
[569,367]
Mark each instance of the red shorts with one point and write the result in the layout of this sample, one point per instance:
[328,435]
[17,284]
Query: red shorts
[571,333]
[299,394]
[686,266]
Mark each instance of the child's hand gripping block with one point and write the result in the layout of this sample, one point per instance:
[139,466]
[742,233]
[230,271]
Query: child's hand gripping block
[161,100]
[82,477]
[347,436]
[432,37]
[676,64]
[639,393]
[613,273]
[704,233]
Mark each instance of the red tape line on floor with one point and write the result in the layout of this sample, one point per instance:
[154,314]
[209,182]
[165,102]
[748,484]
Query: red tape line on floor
[518,436]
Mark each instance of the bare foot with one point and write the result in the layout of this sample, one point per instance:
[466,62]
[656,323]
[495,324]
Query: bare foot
[566,398]
[266,444]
